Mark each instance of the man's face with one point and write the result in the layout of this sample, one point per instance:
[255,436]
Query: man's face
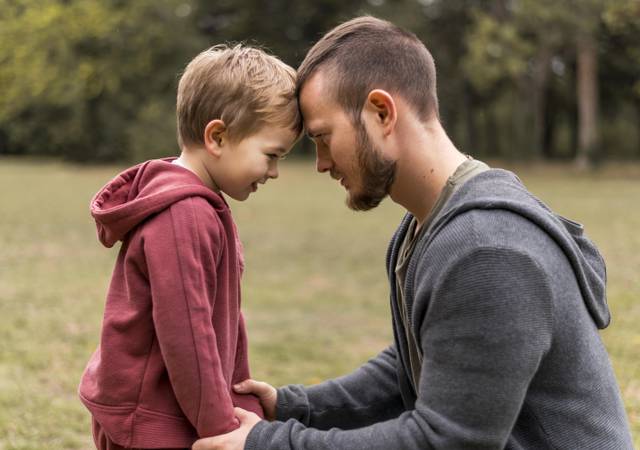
[343,150]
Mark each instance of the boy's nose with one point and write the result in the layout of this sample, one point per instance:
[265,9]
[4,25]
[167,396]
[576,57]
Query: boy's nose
[273,172]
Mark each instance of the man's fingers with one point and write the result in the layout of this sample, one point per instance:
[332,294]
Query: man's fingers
[258,388]
[204,444]
[240,413]
[246,418]
[243,387]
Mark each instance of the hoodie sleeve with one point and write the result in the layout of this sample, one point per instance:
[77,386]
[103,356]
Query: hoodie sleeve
[367,395]
[181,252]
[487,329]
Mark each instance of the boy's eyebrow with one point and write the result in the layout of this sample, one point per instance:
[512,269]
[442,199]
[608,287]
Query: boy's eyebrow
[278,149]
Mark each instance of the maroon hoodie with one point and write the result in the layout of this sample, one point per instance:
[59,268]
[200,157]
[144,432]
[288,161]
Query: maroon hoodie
[173,337]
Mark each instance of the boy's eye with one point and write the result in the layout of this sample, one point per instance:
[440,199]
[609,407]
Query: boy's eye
[274,156]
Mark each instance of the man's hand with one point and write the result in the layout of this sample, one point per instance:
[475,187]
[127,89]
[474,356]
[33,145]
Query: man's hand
[265,392]
[234,440]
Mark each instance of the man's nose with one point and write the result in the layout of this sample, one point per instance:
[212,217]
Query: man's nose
[323,162]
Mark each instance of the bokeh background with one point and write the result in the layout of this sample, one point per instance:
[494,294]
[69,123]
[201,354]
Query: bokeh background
[548,89]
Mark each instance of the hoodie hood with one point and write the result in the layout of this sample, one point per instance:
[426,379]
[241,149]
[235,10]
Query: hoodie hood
[142,191]
[500,189]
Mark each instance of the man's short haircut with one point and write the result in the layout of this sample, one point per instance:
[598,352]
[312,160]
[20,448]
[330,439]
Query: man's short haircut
[367,53]
[243,86]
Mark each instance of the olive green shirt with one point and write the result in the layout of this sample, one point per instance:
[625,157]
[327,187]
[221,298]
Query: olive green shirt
[465,171]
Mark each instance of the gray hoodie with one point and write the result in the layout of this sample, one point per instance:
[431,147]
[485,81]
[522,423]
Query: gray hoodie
[505,298]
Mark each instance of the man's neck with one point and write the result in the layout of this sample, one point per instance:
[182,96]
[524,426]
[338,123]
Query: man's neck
[423,170]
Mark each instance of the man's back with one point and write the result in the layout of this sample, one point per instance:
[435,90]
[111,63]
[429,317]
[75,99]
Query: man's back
[506,299]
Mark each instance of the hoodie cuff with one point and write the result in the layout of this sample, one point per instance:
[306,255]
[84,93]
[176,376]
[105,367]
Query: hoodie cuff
[293,403]
[253,438]
[282,405]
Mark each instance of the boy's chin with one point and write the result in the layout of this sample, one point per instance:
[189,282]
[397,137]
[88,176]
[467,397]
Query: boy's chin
[239,196]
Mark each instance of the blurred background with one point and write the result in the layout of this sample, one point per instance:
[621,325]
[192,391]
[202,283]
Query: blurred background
[549,89]
[518,79]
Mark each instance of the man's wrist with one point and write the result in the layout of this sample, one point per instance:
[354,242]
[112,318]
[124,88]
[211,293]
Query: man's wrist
[282,405]
[253,438]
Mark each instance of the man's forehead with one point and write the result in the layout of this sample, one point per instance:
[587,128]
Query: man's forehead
[312,92]
[315,102]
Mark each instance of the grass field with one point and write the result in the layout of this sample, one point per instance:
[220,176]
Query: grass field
[315,291]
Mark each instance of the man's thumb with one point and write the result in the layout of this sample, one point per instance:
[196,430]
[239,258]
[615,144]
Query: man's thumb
[246,387]
[241,414]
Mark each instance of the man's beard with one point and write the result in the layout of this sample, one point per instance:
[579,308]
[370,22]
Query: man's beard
[376,174]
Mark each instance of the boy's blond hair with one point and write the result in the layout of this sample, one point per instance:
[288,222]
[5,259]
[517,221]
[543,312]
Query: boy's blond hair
[243,86]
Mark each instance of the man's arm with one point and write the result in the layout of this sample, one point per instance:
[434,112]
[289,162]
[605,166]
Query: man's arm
[368,395]
[486,330]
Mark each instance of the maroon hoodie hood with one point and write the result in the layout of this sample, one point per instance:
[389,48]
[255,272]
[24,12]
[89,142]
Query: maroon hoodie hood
[141,191]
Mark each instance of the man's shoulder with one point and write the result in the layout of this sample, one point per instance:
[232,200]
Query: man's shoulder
[480,230]
[484,227]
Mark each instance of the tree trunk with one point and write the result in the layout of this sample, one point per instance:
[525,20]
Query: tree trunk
[637,103]
[587,96]
[549,129]
[539,94]
[469,110]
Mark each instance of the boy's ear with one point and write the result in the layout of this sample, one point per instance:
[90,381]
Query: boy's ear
[215,137]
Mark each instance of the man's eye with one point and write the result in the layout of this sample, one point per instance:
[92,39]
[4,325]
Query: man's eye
[320,139]
[272,156]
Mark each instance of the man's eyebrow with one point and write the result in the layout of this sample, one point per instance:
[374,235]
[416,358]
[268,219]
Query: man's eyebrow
[311,134]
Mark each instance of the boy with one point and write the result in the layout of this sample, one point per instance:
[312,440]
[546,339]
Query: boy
[173,337]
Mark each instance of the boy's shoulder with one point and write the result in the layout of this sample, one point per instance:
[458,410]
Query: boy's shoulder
[194,212]
[191,219]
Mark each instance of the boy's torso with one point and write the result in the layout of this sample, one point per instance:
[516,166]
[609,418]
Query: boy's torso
[188,250]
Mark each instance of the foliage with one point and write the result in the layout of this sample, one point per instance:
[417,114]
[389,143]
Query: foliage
[495,52]
[91,80]
[76,74]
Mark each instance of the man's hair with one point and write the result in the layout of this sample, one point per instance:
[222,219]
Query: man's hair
[243,86]
[366,53]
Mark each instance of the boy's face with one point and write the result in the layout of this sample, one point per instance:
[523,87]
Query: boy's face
[251,161]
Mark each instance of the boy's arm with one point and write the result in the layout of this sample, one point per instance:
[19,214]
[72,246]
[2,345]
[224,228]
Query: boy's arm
[174,243]
[246,401]
[369,394]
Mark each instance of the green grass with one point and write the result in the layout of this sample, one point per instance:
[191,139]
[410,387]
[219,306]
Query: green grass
[314,292]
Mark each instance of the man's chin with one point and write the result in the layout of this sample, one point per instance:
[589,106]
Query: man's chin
[362,201]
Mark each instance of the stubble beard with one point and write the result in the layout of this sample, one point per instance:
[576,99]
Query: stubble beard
[376,174]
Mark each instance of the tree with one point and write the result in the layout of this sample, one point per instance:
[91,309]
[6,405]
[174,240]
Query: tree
[76,74]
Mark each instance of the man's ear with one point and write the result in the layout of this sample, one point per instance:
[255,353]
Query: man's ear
[215,137]
[381,108]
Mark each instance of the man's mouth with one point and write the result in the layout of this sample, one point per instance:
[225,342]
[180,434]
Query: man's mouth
[337,177]
[254,186]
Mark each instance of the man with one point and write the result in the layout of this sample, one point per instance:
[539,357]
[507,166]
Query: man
[495,300]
